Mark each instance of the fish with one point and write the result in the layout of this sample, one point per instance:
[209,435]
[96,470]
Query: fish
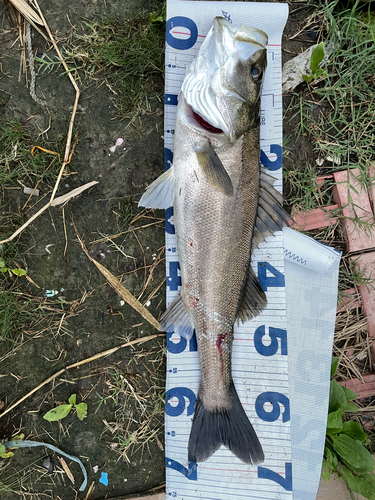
[224,205]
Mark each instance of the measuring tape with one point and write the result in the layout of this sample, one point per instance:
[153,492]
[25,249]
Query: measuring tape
[260,348]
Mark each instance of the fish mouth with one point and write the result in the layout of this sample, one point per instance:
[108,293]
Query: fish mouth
[202,86]
[195,120]
[205,124]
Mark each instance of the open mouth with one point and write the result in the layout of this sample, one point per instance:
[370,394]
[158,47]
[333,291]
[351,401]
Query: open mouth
[205,125]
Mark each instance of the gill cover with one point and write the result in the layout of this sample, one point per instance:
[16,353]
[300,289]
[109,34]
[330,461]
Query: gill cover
[223,84]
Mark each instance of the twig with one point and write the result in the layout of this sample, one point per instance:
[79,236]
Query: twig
[80,363]
[118,287]
[70,130]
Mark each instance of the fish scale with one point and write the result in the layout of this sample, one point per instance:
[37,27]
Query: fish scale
[215,185]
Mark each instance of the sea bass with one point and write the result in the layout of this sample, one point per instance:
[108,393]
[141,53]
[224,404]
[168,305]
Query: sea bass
[224,205]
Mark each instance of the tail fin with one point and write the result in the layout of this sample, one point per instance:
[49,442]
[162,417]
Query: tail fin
[232,428]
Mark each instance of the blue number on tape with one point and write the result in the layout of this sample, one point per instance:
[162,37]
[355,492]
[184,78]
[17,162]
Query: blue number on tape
[180,346]
[285,482]
[190,473]
[171,99]
[183,22]
[272,348]
[175,347]
[174,280]
[180,393]
[272,164]
[169,227]
[168,158]
[193,343]
[277,278]
[276,399]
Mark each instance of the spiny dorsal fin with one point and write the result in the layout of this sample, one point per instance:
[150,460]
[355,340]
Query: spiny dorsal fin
[271,216]
[254,299]
[176,319]
[212,168]
[159,194]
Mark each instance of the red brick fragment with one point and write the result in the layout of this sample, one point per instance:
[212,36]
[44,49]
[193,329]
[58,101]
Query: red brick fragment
[356,209]
[364,389]
[314,219]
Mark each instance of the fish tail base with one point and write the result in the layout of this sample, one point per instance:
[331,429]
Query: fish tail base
[228,427]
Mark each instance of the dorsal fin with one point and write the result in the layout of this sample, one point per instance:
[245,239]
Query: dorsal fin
[254,299]
[271,216]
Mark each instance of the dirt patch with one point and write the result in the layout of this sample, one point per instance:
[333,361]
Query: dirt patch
[87,316]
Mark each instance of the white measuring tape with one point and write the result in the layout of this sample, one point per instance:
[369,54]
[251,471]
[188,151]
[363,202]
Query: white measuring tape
[260,349]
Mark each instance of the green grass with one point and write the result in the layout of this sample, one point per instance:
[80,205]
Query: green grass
[128,54]
[348,91]
[17,165]
[338,112]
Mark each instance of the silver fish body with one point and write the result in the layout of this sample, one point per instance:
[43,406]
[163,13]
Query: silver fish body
[223,206]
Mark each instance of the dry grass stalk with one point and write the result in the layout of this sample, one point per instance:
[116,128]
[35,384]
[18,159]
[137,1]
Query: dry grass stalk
[68,472]
[119,288]
[27,11]
[68,148]
[80,363]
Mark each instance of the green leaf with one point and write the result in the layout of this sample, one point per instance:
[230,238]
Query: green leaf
[337,397]
[81,410]
[353,453]
[2,449]
[73,399]
[19,272]
[334,422]
[307,78]
[317,57]
[58,413]
[354,430]
[2,262]
[351,407]
[334,365]
[8,454]
[361,483]
[18,437]
[331,459]
[326,473]
[350,394]
[4,269]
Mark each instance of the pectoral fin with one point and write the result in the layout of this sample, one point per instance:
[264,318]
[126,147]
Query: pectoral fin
[160,194]
[212,168]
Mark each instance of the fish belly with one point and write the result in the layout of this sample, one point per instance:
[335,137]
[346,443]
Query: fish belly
[214,233]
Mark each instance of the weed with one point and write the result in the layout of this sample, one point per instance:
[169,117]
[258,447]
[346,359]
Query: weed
[138,405]
[17,165]
[130,55]
[316,58]
[63,411]
[345,443]
[338,112]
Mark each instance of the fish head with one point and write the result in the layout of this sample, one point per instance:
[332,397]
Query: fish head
[223,84]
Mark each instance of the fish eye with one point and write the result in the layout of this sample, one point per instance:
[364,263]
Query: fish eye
[256,73]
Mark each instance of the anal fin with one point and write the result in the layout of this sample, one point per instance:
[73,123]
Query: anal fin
[176,319]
